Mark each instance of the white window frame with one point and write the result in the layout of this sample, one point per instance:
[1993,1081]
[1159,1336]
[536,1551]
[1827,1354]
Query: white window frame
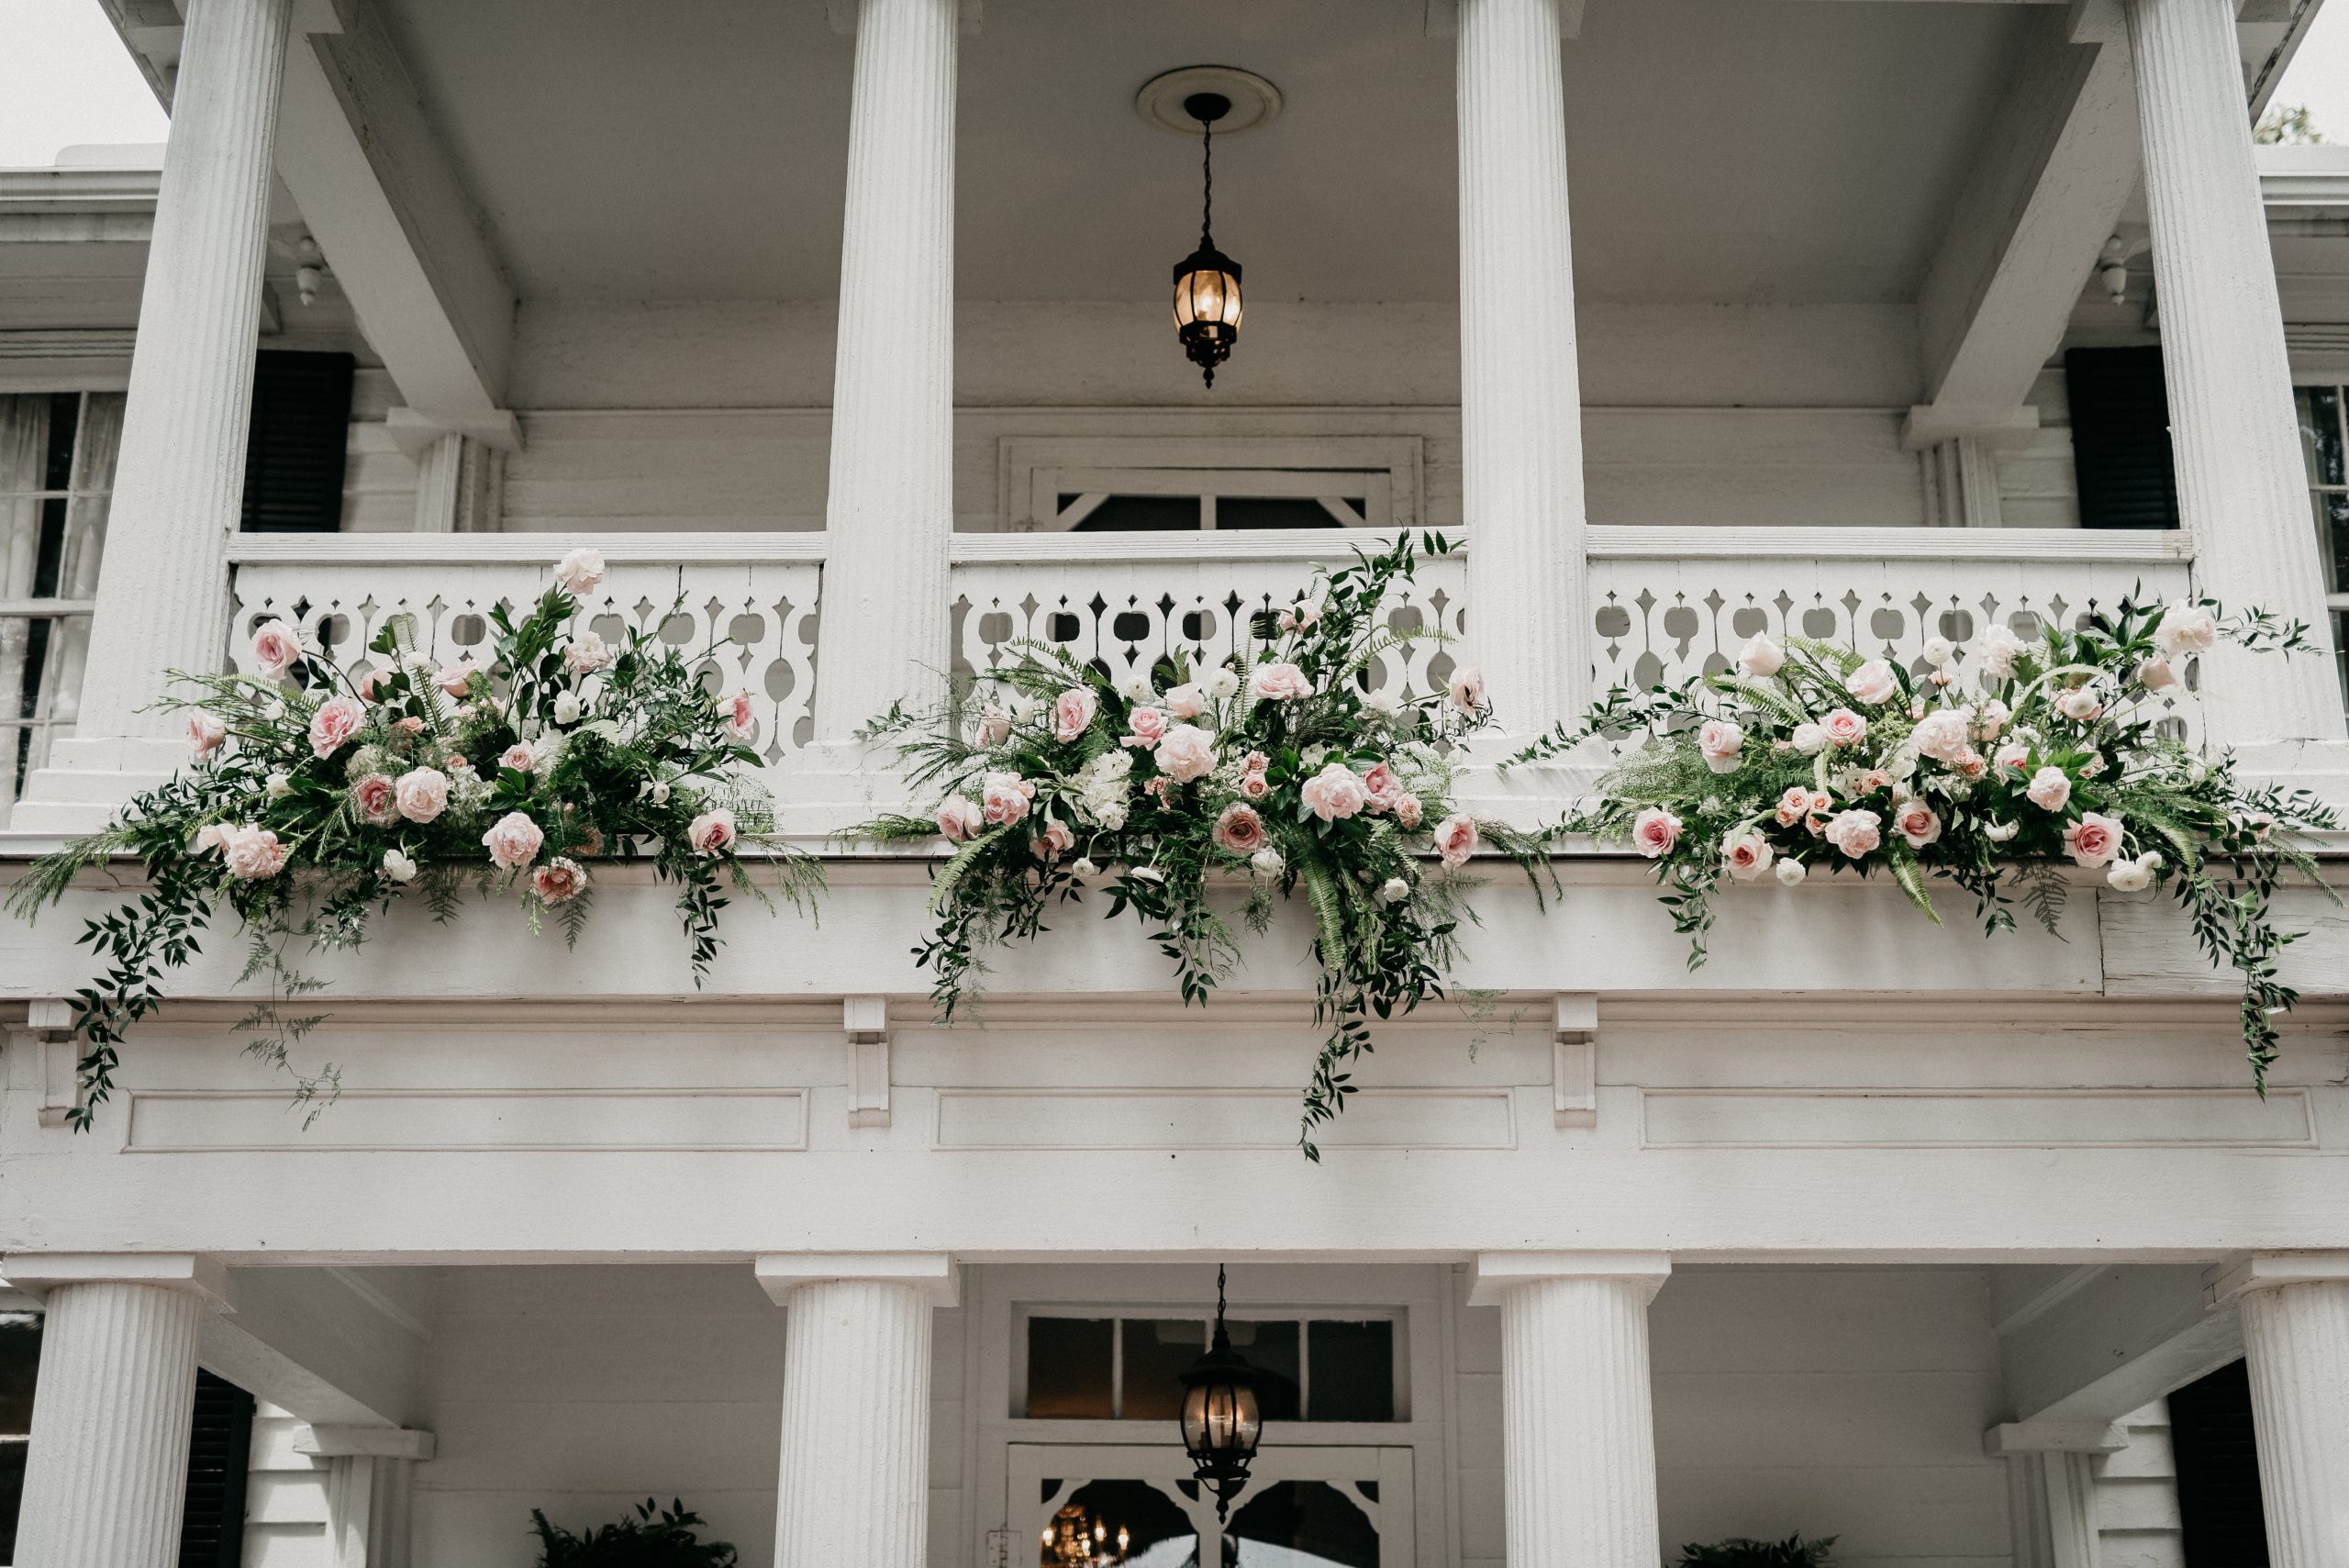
[2336,600]
[1398,1368]
[1387,471]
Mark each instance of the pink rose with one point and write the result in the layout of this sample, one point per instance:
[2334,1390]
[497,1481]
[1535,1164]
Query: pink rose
[1144,728]
[207,732]
[1945,733]
[368,681]
[275,648]
[1990,718]
[1239,830]
[1456,839]
[741,723]
[1407,811]
[411,725]
[422,793]
[1255,762]
[513,839]
[517,757]
[586,654]
[371,798]
[712,833]
[1747,854]
[1003,797]
[1793,806]
[560,880]
[1654,831]
[581,571]
[210,837]
[2013,755]
[959,818]
[2050,789]
[2185,628]
[2081,703]
[2094,839]
[1870,780]
[1055,841]
[1467,689]
[1185,752]
[1760,656]
[1856,833]
[1383,787]
[1970,764]
[1334,793]
[1186,701]
[252,854]
[458,677]
[1720,739]
[1843,727]
[1255,787]
[2259,824]
[336,720]
[1073,712]
[1280,683]
[2155,676]
[1872,681]
[1916,821]
[992,728]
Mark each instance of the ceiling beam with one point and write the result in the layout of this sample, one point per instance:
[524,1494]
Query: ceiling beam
[2027,229]
[327,1344]
[2100,1342]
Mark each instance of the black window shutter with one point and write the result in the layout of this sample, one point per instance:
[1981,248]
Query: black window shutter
[212,1523]
[300,432]
[2218,1472]
[2121,452]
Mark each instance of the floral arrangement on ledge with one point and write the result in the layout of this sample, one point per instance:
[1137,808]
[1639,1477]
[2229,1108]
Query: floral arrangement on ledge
[1278,767]
[416,779]
[1811,756]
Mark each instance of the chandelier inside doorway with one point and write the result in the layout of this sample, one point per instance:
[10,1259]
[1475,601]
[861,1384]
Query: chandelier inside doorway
[1076,1539]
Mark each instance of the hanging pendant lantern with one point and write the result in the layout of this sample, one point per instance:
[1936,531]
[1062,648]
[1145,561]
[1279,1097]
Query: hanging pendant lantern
[1221,1421]
[1206,282]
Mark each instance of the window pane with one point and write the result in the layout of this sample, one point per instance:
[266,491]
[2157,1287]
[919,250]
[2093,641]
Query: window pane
[2320,434]
[1157,1532]
[1271,1349]
[1272,512]
[1353,1371]
[2333,531]
[1302,1524]
[20,1362]
[1158,1351]
[11,1491]
[1144,513]
[1068,1368]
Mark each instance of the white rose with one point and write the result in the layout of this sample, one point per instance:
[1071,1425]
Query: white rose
[1790,871]
[1809,739]
[398,867]
[660,792]
[278,786]
[1268,861]
[581,571]
[1996,650]
[1760,656]
[1382,701]
[1872,681]
[1392,891]
[2185,628]
[566,707]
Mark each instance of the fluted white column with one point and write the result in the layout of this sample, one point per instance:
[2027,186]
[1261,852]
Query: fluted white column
[105,1476]
[2241,487]
[2295,1340]
[163,600]
[855,1475]
[891,511]
[1520,392]
[1578,1421]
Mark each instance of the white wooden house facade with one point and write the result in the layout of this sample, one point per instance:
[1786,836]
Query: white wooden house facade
[849,320]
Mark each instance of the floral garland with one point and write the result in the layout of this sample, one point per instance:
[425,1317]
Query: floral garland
[1813,756]
[415,778]
[1279,767]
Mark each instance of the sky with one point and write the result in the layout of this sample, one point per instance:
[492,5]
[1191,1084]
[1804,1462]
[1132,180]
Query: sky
[65,78]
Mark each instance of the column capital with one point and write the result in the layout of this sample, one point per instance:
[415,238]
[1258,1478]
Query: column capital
[2272,1270]
[932,1274]
[1496,1274]
[36,1274]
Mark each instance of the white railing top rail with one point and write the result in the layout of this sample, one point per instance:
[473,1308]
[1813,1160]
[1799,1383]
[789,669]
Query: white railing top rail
[648,549]
[1892,544]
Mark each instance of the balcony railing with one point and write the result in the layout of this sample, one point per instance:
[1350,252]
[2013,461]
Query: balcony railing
[1663,606]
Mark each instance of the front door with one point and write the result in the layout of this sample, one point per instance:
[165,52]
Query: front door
[1304,1507]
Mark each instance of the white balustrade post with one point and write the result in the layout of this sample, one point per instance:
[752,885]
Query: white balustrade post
[105,1474]
[891,510]
[855,1472]
[2242,488]
[2295,1340]
[1520,395]
[1578,1422]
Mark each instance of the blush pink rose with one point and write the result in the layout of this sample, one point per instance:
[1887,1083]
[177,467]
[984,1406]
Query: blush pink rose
[1843,727]
[1407,811]
[1280,683]
[1239,830]
[1055,841]
[458,677]
[2094,839]
[1872,681]
[211,837]
[959,818]
[1003,797]
[1467,689]
[559,881]
[519,757]
[372,798]
[1255,787]
[513,839]
[1917,822]
[586,654]
[2050,789]
[1654,831]
[422,793]
[742,722]
[1186,701]
[207,732]
[336,720]
[2081,703]
[712,833]
[1073,712]
[411,725]
[2155,676]
[1334,793]
[1383,787]
[1144,728]
[1456,839]
[1945,734]
[1720,740]
[1185,752]
[1793,806]
[2186,629]
[252,854]
[581,571]
[1747,854]
[1856,833]
[275,648]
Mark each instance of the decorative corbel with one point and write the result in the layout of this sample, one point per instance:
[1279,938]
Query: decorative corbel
[1575,1060]
[49,1031]
[867,1020]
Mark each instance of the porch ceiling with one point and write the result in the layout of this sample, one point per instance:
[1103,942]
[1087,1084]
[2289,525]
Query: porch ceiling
[1723,149]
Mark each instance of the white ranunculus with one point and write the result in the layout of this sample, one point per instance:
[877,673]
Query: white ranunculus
[1809,739]
[398,867]
[566,707]
[2130,876]
[1394,890]
[1938,651]
[1268,861]
[1083,866]
[1789,872]
[1223,685]
[278,786]
[1999,832]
